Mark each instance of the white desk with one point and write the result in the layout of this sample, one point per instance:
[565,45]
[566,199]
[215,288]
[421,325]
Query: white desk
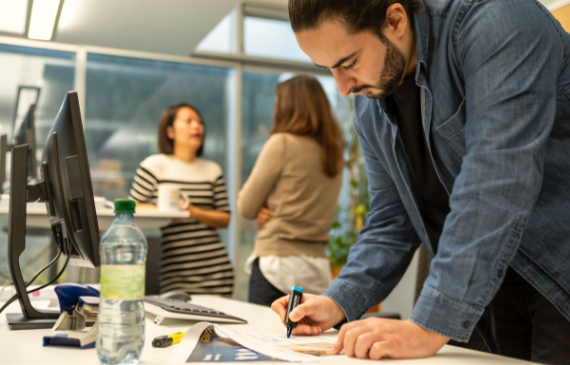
[37,217]
[25,347]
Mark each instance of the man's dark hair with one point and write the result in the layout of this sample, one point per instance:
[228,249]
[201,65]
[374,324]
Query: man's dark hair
[356,15]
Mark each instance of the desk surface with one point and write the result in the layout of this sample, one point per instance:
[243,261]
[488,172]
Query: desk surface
[24,347]
[37,217]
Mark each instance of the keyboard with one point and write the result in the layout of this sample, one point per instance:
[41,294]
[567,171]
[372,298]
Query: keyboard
[177,309]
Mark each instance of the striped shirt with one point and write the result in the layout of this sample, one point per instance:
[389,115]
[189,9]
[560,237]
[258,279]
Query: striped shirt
[193,259]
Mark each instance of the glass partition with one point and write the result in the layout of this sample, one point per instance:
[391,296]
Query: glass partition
[53,72]
[124,100]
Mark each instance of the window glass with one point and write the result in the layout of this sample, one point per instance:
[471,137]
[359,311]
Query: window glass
[221,38]
[271,38]
[124,100]
[53,72]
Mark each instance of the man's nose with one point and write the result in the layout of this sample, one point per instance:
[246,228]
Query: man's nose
[343,82]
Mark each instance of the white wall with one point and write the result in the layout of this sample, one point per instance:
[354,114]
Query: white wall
[401,300]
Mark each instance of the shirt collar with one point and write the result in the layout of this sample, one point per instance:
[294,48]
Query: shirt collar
[421,26]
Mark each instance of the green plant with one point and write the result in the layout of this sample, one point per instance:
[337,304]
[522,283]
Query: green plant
[349,217]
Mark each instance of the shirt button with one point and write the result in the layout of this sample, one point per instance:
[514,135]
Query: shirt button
[466,324]
[500,273]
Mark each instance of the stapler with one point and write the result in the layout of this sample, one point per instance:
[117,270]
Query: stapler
[79,305]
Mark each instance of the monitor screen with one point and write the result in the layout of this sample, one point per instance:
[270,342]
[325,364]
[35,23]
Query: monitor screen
[26,133]
[70,203]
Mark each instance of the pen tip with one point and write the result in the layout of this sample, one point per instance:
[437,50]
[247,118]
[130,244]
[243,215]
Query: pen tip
[288,335]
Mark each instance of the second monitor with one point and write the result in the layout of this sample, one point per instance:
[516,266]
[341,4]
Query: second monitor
[25,134]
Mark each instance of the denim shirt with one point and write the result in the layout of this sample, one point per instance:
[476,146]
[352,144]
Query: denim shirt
[494,77]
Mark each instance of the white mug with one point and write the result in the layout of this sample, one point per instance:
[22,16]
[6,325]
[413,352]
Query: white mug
[168,198]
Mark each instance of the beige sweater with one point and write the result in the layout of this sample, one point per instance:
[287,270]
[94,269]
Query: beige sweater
[289,177]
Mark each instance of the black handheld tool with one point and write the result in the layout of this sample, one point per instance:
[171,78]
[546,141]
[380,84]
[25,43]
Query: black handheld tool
[294,300]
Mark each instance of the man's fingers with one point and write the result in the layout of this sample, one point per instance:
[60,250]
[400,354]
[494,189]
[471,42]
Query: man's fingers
[339,344]
[280,307]
[306,330]
[379,350]
[364,344]
[302,311]
[351,337]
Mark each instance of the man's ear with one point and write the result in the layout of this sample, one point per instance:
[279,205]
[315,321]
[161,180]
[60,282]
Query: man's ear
[396,20]
[170,132]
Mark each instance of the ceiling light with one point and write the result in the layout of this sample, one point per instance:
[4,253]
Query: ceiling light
[13,16]
[42,20]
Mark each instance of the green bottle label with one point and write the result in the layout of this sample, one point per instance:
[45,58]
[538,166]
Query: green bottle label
[122,282]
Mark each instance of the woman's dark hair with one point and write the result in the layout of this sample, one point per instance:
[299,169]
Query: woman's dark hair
[356,15]
[302,108]
[165,144]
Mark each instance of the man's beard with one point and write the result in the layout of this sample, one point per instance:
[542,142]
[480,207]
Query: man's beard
[391,75]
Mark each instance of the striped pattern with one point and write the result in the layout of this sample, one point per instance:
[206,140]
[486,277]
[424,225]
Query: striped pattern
[193,257]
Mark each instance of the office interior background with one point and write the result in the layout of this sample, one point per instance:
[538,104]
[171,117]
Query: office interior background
[129,59]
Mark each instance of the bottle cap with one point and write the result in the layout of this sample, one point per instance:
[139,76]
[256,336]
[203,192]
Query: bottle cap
[125,206]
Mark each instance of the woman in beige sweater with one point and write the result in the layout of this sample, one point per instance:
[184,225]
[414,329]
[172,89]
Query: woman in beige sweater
[292,192]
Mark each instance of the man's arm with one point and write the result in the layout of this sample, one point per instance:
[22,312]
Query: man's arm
[385,245]
[510,57]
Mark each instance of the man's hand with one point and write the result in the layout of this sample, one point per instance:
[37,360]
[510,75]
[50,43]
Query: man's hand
[263,216]
[314,315]
[377,338]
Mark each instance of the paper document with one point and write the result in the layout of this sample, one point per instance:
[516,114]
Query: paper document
[210,342]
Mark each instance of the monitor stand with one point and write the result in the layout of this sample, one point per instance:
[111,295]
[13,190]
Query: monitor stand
[20,194]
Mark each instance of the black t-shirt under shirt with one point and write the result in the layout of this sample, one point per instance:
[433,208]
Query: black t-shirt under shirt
[435,199]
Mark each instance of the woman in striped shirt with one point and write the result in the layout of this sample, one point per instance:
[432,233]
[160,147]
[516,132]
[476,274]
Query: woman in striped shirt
[193,259]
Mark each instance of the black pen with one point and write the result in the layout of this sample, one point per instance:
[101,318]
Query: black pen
[294,300]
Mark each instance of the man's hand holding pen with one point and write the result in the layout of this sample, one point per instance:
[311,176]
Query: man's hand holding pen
[372,338]
[315,315]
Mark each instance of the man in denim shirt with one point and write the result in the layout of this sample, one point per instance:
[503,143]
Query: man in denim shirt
[463,116]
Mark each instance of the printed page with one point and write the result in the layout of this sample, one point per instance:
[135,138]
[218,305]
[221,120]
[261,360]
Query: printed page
[295,349]
[188,343]
[209,347]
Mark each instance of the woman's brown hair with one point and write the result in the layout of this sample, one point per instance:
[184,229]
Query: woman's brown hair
[165,144]
[302,108]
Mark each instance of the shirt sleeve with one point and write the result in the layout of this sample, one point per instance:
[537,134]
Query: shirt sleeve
[263,177]
[144,186]
[221,203]
[510,64]
[385,245]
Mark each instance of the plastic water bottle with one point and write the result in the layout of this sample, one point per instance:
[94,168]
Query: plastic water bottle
[120,322]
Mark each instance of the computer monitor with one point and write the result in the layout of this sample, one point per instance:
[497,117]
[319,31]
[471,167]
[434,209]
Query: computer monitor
[66,189]
[25,134]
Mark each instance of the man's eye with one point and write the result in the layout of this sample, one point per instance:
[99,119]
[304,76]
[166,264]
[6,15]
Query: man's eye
[349,66]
